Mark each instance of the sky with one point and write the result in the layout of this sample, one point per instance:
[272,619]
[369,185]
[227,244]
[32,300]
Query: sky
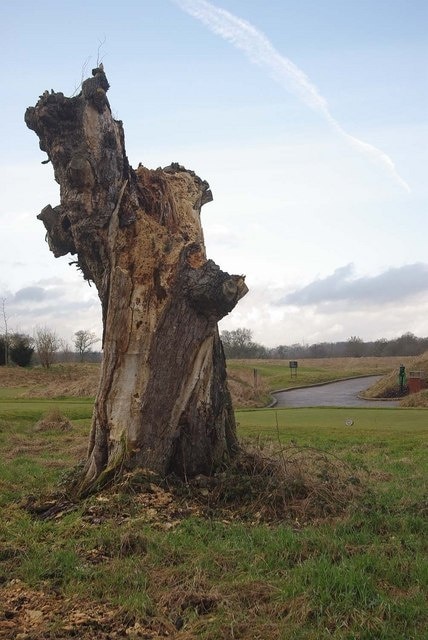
[308,119]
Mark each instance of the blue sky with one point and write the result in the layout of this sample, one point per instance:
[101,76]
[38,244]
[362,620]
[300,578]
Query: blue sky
[308,119]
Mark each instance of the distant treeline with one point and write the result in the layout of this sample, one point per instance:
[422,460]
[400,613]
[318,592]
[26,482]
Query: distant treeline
[46,348]
[22,349]
[239,344]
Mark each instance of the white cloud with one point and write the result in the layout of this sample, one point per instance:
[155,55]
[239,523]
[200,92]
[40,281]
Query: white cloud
[334,319]
[394,285]
[29,294]
[63,305]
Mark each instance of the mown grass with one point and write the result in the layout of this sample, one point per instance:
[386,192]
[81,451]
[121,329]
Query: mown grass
[393,428]
[361,575]
[28,409]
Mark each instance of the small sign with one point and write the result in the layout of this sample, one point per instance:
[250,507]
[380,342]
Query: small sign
[293,368]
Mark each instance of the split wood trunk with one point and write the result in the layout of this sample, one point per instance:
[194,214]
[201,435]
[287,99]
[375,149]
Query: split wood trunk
[163,402]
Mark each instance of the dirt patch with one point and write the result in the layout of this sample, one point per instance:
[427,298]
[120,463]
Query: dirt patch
[28,614]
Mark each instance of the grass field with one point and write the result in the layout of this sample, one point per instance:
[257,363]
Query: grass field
[276,373]
[139,564]
[248,389]
[252,380]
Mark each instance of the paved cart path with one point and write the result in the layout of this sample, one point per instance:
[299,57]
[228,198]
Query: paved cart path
[335,394]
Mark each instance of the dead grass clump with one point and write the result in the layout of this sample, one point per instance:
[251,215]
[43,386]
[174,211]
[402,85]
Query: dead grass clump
[183,600]
[53,420]
[243,391]
[253,596]
[387,387]
[132,542]
[419,399]
[304,484]
[298,609]
[273,485]
[18,447]
[184,597]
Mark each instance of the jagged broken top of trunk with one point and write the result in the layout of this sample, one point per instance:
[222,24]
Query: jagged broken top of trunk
[101,193]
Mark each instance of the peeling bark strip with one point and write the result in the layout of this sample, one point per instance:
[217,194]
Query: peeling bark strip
[163,402]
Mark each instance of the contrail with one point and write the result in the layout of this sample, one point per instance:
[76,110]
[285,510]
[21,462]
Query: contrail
[256,46]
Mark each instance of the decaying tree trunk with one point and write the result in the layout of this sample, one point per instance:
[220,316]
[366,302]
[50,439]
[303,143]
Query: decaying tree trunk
[163,402]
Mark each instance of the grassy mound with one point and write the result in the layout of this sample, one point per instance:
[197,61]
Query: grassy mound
[55,420]
[263,485]
[388,387]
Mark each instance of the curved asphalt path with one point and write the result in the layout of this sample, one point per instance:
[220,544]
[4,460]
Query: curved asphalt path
[334,394]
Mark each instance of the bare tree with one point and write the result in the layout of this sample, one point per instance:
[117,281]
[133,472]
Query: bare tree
[355,347]
[83,341]
[163,402]
[239,344]
[65,354]
[6,334]
[47,344]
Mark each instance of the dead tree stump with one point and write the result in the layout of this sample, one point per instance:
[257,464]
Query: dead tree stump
[163,402]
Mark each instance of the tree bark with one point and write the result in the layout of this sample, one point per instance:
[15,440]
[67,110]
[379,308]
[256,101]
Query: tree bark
[163,402]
